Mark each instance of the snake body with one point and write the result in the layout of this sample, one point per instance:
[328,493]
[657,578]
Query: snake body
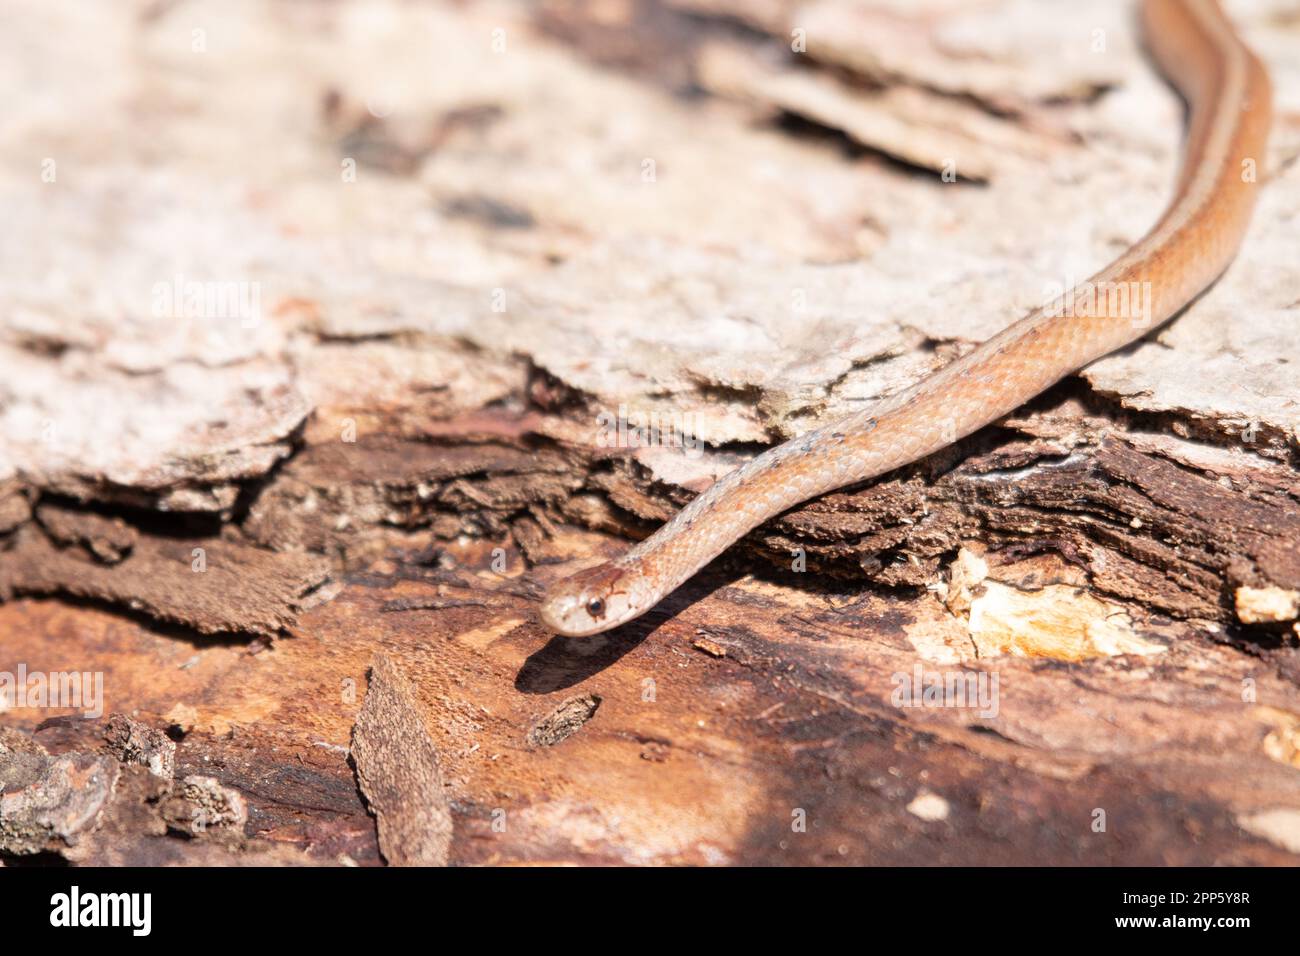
[1229,97]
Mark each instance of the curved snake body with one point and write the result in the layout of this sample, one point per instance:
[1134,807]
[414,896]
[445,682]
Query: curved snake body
[1228,92]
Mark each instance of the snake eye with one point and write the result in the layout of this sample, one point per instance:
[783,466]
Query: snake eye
[596,608]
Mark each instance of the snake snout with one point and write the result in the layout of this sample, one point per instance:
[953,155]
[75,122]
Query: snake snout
[553,611]
[584,603]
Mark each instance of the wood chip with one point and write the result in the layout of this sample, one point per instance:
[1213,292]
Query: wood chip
[397,770]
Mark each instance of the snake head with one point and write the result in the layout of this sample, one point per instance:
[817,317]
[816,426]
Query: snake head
[587,603]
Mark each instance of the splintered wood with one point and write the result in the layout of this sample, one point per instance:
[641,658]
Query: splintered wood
[353,326]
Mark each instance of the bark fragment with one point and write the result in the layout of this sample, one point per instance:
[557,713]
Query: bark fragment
[211,585]
[397,769]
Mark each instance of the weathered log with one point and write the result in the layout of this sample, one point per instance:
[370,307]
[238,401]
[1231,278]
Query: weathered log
[1069,638]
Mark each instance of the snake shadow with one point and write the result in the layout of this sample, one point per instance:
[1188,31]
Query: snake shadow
[564,662]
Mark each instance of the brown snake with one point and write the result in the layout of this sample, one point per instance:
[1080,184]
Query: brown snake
[1228,93]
